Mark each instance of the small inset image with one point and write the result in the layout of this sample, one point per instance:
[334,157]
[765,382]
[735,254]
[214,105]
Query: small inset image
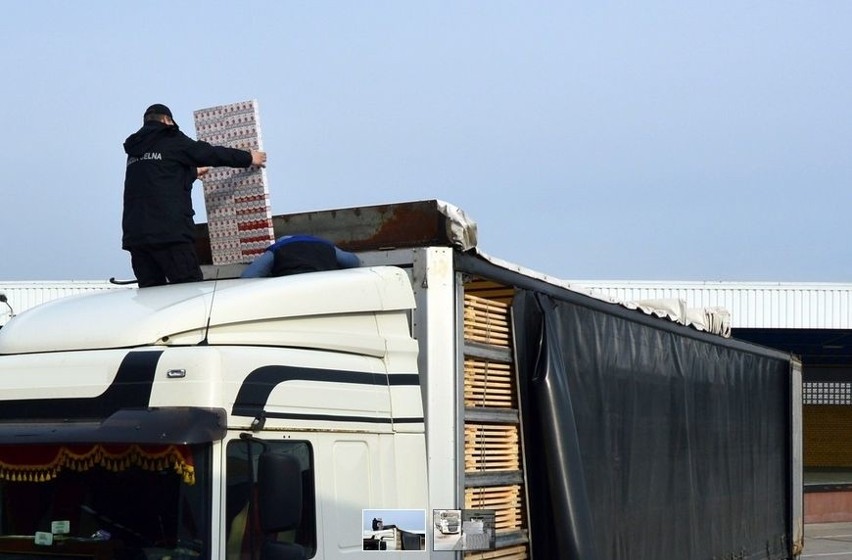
[393,529]
[463,529]
[446,529]
[478,529]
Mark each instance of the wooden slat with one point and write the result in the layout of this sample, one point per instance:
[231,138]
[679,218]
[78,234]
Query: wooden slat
[488,384]
[491,448]
[504,500]
[486,321]
[490,290]
[517,552]
[494,315]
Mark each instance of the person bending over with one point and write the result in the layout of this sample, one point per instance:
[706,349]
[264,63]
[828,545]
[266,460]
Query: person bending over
[294,254]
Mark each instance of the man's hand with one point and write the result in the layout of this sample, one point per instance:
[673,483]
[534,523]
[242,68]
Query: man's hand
[201,171]
[258,158]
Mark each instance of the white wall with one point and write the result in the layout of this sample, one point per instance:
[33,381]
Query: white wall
[23,295]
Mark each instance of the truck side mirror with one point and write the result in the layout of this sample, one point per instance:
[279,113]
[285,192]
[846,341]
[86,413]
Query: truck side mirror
[279,478]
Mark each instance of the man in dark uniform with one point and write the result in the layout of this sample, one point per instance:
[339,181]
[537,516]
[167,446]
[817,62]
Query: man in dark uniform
[158,226]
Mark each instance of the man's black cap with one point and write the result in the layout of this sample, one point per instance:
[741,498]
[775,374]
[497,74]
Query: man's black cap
[158,109]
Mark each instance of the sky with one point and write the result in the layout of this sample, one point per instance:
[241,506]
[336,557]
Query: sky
[654,140]
[408,519]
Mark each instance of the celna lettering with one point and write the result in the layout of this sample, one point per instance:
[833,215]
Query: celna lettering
[146,155]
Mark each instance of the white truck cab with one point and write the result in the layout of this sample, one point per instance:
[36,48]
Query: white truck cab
[137,418]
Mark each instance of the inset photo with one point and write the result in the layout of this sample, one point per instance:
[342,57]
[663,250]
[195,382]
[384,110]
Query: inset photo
[393,529]
[478,529]
[446,529]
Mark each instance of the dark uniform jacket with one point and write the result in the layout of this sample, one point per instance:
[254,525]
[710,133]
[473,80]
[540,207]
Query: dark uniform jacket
[162,163]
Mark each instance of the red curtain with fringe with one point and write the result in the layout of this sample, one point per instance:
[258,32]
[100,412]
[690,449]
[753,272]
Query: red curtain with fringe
[41,463]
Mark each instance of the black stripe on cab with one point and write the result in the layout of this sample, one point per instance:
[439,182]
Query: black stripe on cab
[343,418]
[131,388]
[257,386]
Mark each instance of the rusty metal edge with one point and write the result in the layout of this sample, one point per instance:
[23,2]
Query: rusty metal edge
[386,226]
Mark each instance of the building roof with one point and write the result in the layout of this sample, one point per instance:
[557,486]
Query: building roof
[752,305]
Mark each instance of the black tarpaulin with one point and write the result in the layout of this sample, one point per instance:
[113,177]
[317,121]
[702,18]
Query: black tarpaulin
[646,443]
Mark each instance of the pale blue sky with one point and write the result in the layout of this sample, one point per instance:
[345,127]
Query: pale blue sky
[595,140]
[408,519]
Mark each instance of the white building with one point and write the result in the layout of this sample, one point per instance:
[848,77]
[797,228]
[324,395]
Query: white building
[20,296]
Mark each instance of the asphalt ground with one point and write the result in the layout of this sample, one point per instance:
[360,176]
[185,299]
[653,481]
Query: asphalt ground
[828,541]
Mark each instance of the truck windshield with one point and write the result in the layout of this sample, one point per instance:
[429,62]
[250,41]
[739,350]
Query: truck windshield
[104,501]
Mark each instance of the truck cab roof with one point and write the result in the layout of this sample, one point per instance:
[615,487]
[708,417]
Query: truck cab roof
[185,314]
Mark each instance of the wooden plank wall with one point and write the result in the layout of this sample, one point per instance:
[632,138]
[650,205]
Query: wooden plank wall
[493,447]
